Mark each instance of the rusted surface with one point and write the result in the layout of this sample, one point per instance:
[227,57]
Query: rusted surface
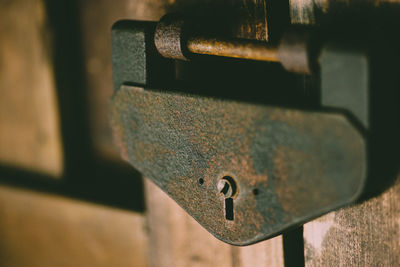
[174,38]
[168,37]
[244,49]
[101,14]
[289,166]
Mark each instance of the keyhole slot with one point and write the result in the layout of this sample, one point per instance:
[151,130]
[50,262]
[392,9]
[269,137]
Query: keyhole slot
[228,188]
[229,209]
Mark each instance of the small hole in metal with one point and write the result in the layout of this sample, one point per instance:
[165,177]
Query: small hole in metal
[201,181]
[229,209]
[256,191]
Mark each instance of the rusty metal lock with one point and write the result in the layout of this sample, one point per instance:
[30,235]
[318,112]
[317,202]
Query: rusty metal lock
[246,172]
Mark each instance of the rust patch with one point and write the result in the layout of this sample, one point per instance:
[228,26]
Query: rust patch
[289,166]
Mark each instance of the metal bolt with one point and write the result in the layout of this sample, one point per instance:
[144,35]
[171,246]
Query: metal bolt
[173,40]
[236,48]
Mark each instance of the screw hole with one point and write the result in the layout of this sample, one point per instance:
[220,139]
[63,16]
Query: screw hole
[201,181]
[256,191]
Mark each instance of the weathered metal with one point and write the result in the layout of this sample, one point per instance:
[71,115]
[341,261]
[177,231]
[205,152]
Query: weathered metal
[244,171]
[176,39]
[239,48]
[295,51]
[289,166]
[134,55]
[350,92]
[168,37]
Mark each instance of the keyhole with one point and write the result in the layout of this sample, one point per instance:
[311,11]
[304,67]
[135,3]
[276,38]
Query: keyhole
[227,187]
[229,209]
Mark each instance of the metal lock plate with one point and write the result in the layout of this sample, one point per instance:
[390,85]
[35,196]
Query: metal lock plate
[245,172]
[288,166]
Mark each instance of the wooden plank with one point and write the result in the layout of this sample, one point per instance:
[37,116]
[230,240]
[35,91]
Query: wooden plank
[176,239]
[40,230]
[263,254]
[253,22]
[304,11]
[361,235]
[309,11]
[29,124]
[101,15]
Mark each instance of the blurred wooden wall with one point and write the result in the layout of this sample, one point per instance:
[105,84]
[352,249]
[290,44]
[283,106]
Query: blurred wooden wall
[38,228]
[367,234]
[30,135]
[37,111]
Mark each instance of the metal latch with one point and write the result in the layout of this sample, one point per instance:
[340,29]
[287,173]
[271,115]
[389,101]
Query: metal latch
[245,171]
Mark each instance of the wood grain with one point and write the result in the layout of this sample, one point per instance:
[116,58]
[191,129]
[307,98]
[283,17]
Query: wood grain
[310,11]
[40,230]
[176,239]
[304,11]
[362,235]
[263,254]
[29,123]
[253,20]
[101,15]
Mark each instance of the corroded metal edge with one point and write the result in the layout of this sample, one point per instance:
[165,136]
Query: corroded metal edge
[302,164]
